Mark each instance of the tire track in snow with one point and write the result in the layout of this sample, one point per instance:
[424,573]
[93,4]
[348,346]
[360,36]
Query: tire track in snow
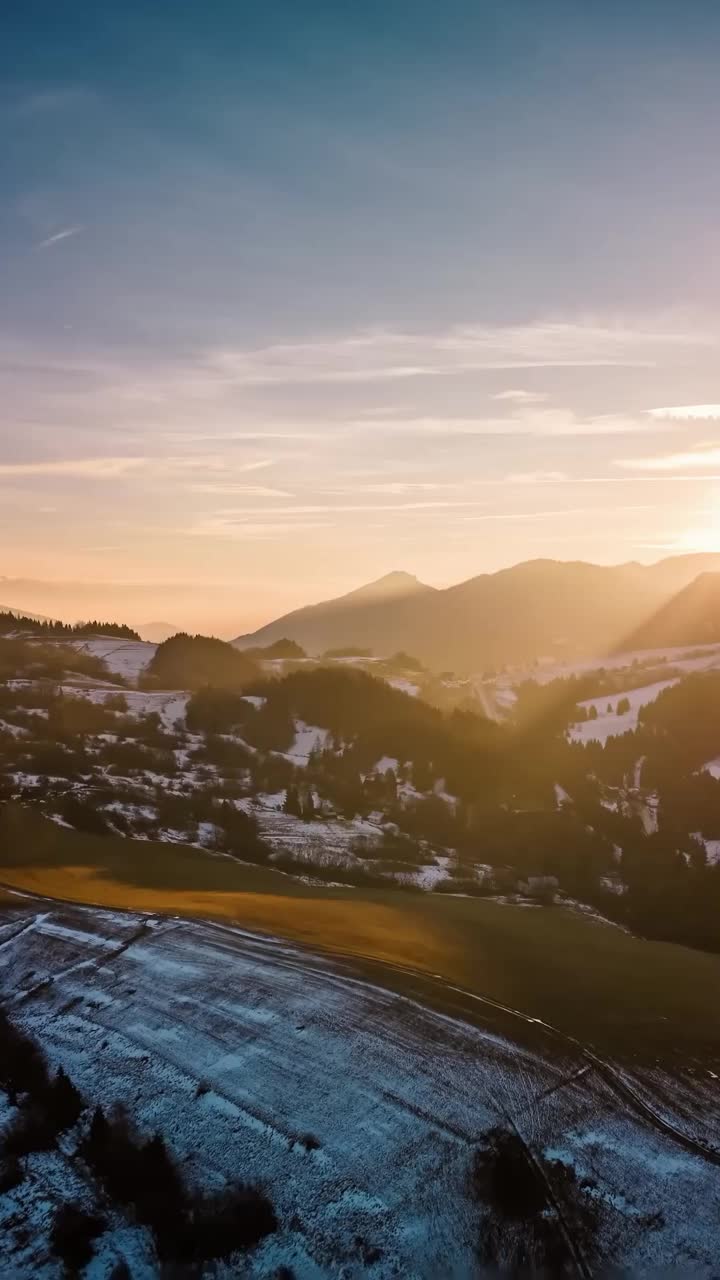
[18,933]
[611,1075]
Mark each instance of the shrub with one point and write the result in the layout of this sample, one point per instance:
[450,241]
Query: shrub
[11,1174]
[188,1226]
[23,1067]
[32,1129]
[229,1222]
[540,1217]
[82,815]
[73,1233]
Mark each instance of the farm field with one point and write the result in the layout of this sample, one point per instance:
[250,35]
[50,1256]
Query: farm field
[625,996]
[357,1109]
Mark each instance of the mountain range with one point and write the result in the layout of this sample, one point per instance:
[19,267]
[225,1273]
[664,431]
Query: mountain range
[536,609]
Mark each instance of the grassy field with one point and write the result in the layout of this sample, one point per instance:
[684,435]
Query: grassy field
[591,980]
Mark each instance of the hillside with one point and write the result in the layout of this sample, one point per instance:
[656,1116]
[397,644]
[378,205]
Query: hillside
[157,632]
[536,609]
[369,616]
[690,617]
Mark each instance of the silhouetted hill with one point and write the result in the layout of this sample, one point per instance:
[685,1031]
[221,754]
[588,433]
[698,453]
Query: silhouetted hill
[690,617]
[366,617]
[540,608]
[157,631]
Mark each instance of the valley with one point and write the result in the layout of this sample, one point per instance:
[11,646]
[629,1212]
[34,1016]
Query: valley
[357,934]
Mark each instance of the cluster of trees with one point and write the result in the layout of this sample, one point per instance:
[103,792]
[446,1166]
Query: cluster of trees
[300,803]
[267,725]
[189,1227]
[376,720]
[552,707]
[683,723]
[77,630]
[46,1104]
[192,662]
[287,649]
[20,658]
[591,712]
[136,1173]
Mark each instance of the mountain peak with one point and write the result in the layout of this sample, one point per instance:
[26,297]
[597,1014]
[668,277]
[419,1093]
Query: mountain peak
[391,585]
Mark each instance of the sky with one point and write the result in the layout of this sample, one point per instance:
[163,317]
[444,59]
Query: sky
[295,293]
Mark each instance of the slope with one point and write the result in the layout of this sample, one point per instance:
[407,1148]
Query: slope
[370,616]
[691,617]
[536,609]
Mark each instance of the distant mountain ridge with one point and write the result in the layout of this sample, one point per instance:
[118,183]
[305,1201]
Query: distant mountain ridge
[538,608]
[691,617]
[156,632]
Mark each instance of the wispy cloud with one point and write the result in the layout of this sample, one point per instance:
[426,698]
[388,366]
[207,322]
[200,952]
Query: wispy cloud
[537,477]
[526,420]
[320,508]
[687,412]
[397,487]
[222,526]
[547,515]
[65,234]
[381,355]
[706,456]
[215,464]
[241,490]
[521,397]
[92,468]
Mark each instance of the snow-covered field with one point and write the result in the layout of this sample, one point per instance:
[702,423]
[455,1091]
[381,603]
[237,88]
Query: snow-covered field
[358,1109]
[128,658]
[498,697]
[686,658]
[712,849]
[322,842]
[170,706]
[404,686]
[609,724]
[308,738]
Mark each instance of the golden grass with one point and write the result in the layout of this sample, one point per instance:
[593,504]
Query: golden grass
[589,978]
[384,931]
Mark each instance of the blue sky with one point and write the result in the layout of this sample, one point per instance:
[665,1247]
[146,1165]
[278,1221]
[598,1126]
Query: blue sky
[295,293]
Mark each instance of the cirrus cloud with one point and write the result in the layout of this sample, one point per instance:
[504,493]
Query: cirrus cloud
[702,457]
[92,468]
[687,412]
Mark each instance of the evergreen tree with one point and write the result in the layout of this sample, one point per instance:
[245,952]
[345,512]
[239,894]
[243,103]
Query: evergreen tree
[65,1101]
[292,803]
[96,1143]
